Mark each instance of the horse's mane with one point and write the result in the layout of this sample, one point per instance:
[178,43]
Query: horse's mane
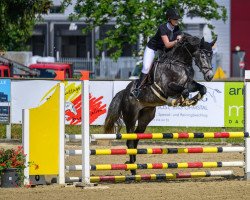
[187,38]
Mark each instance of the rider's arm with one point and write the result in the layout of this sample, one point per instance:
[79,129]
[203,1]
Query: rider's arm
[166,41]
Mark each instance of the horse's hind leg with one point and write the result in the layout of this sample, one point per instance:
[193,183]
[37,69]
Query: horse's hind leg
[146,115]
[130,117]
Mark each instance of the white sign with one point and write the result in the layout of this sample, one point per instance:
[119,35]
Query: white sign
[32,93]
[208,112]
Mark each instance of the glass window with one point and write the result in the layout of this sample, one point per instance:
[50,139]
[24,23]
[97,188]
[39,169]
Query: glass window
[6,73]
[46,73]
[56,9]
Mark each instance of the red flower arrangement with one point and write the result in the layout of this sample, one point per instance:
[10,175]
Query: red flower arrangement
[13,158]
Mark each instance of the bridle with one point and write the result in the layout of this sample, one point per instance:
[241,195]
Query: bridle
[204,52]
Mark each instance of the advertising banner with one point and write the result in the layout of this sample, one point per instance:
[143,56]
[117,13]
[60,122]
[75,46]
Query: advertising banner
[33,93]
[209,112]
[26,94]
[234,104]
[5,101]
[222,106]
[100,95]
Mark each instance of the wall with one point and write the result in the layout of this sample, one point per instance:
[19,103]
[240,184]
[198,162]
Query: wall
[240,27]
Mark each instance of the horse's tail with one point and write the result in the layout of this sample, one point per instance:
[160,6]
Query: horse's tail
[114,114]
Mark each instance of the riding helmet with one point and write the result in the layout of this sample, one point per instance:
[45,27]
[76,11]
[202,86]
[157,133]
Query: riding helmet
[172,14]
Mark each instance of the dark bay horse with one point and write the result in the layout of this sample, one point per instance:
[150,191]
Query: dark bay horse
[172,80]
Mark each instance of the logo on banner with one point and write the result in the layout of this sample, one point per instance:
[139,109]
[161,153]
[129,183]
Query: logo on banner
[234,109]
[73,104]
[4,101]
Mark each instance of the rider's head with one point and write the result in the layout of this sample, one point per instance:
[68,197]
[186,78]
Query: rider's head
[173,16]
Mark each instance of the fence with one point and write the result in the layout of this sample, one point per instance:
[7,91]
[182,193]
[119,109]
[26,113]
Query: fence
[105,68]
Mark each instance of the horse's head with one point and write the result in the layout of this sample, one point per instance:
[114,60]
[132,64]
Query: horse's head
[203,58]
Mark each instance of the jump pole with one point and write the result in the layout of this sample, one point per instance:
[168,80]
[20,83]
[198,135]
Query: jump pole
[85,129]
[246,122]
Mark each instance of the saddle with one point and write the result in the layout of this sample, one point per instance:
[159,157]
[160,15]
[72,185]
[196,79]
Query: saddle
[161,58]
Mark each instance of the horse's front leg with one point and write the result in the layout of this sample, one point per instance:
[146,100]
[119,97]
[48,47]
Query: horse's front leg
[184,93]
[193,87]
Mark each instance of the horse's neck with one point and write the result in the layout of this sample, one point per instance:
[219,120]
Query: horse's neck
[179,62]
[182,54]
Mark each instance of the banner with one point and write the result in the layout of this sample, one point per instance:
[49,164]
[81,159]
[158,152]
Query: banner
[33,93]
[26,94]
[222,106]
[5,101]
[234,104]
[209,112]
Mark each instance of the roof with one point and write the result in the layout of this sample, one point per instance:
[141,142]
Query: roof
[54,66]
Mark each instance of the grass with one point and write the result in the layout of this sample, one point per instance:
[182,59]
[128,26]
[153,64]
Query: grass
[16,132]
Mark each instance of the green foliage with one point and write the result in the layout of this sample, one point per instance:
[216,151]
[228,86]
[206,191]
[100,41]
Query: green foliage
[17,18]
[134,18]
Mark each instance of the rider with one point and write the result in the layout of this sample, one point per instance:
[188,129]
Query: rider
[167,35]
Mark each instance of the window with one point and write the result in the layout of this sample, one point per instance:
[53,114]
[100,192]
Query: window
[6,73]
[46,73]
[56,10]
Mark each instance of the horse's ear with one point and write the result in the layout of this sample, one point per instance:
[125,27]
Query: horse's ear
[202,40]
[213,42]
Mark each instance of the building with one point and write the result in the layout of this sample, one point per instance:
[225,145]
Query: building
[240,31]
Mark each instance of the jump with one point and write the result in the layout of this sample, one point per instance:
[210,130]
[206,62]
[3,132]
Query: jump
[171,81]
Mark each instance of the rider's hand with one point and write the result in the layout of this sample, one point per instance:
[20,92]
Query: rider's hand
[179,38]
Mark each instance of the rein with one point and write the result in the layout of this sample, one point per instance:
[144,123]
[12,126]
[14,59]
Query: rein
[193,59]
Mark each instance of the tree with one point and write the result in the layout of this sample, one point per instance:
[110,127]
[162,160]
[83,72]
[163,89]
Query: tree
[17,19]
[136,18]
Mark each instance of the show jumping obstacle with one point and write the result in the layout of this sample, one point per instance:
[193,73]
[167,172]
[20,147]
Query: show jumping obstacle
[158,151]
[50,162]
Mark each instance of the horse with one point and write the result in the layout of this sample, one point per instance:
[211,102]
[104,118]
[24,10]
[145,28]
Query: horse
[171,82]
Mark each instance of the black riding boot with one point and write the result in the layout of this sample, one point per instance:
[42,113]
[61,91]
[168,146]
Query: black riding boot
[136,91]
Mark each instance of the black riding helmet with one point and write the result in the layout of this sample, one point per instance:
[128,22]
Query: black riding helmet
[172,14]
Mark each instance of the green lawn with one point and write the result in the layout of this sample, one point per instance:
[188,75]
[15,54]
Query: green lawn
[17,132]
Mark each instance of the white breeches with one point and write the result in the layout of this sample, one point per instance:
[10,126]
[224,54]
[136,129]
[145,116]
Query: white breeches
[148,58]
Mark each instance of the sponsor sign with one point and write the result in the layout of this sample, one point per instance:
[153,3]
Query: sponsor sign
[234,107]
[209,112]
[31,94]
[222,106]
[5,101]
